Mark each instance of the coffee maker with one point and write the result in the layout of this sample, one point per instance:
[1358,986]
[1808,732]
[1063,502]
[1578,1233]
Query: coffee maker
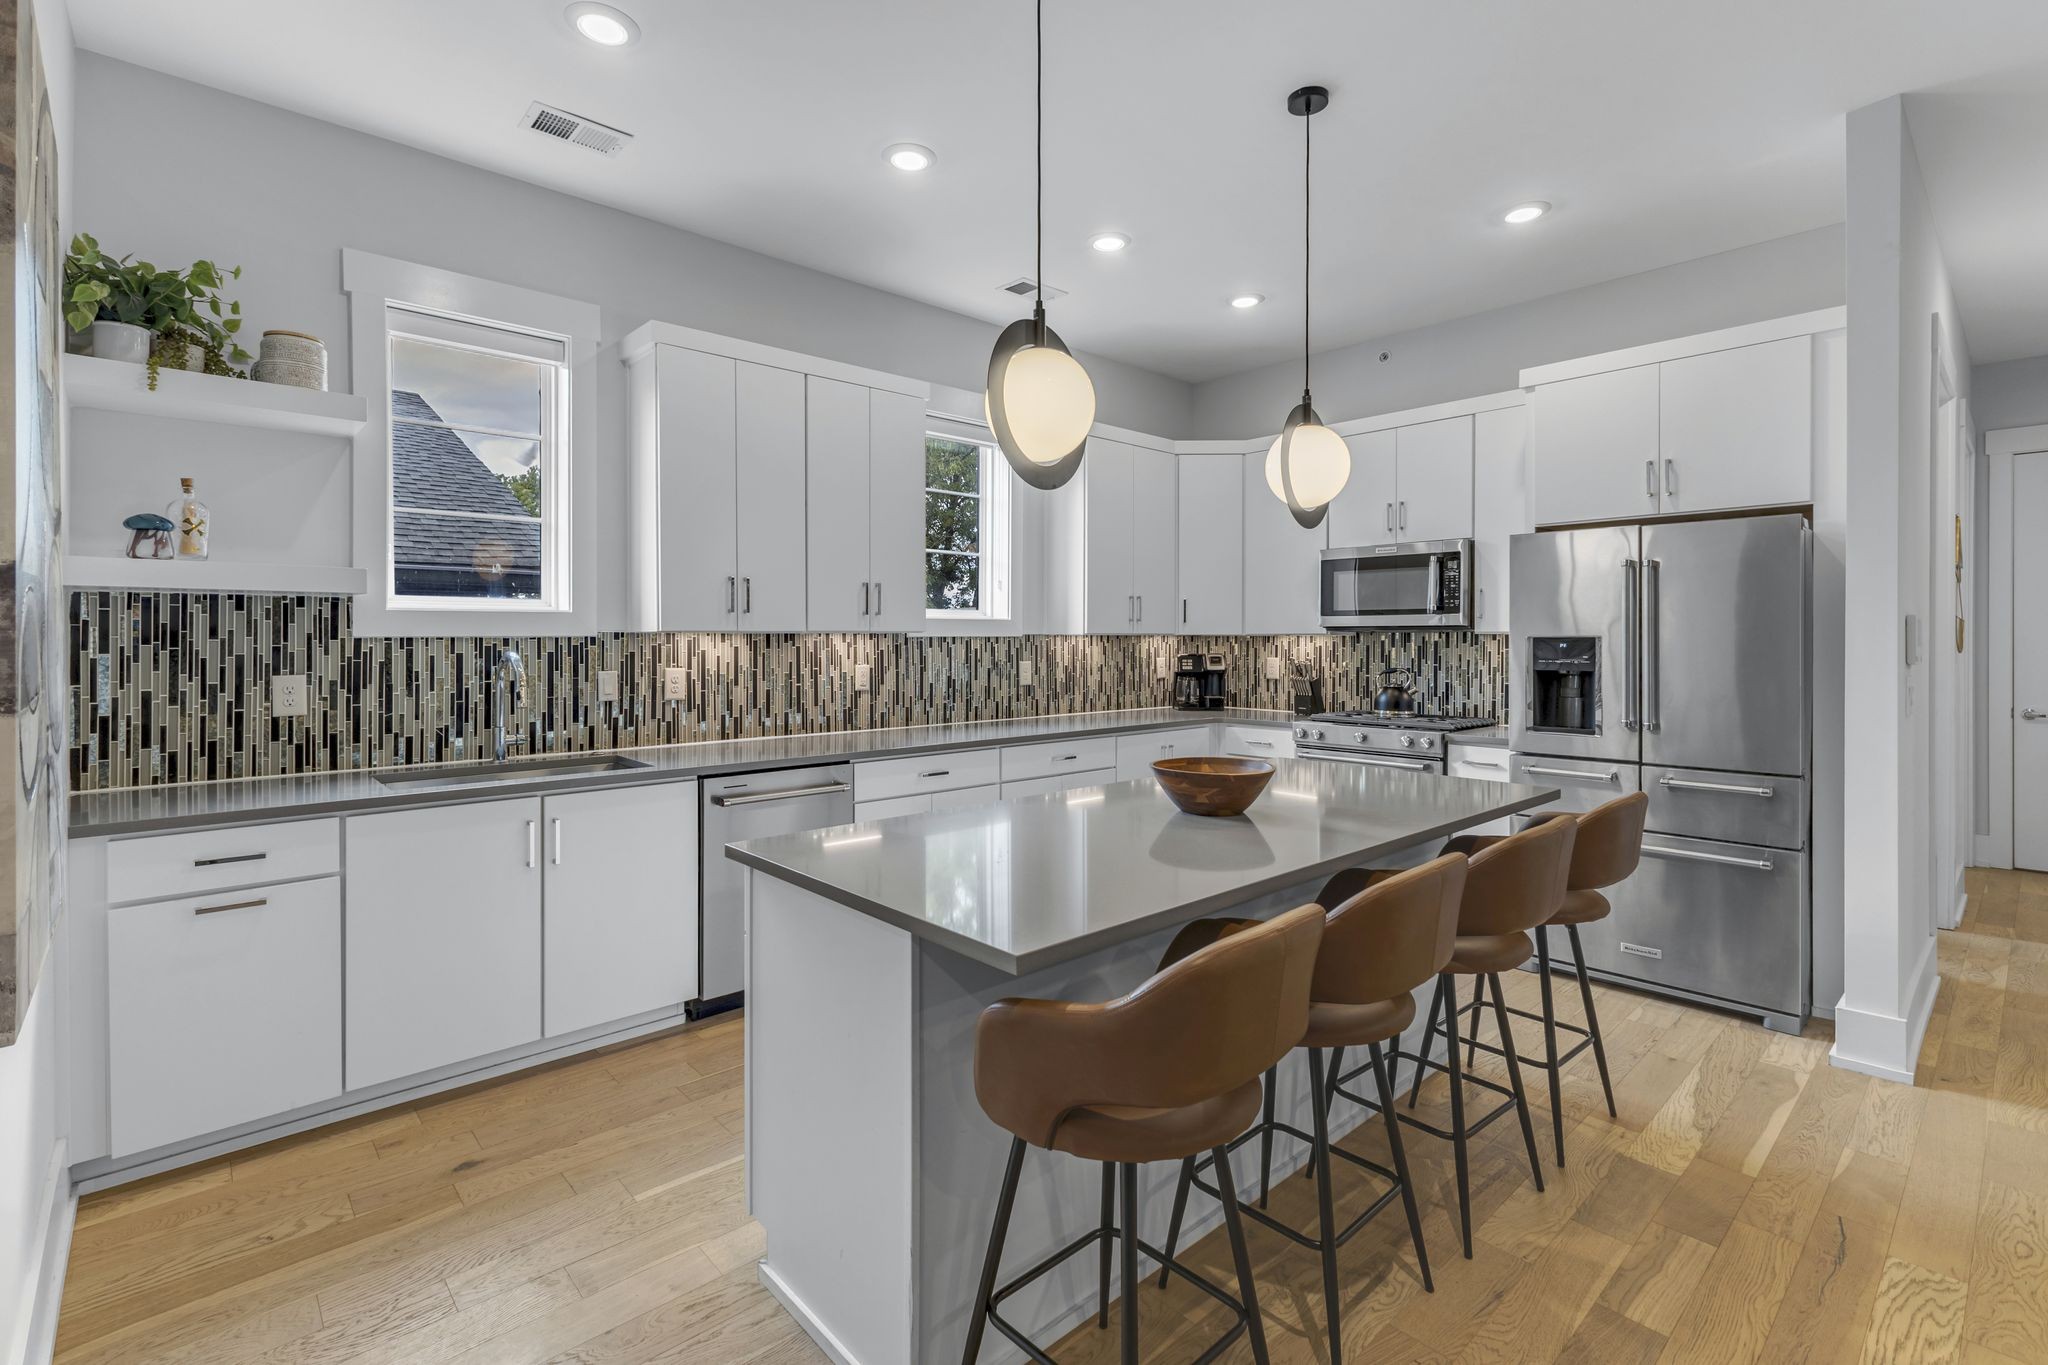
[1198,682]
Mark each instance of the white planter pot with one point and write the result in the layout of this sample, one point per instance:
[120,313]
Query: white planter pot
[122,341]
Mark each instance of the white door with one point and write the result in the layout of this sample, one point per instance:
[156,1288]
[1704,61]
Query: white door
[2030,662]
[1363,514]
[698,527]
[1154,572]
[836,511]
[619,904]
[442,932]
[1500,509]
[1283,563]
[1434,485]
[895,510]
[1593,447]
[1735,428]
[1211,550]
[1106,474]
[771,489]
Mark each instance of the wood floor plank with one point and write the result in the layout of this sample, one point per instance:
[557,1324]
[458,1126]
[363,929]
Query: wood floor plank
[1917,1319]
[1828,1301]
[1937,1222]
[2008,1283]
[1704,1201]
[1788,1189]
[1605,1337]
[1731,1312]
[1657,1279]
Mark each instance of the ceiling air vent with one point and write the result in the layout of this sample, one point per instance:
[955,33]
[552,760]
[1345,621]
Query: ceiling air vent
[1024,287]
[575,129]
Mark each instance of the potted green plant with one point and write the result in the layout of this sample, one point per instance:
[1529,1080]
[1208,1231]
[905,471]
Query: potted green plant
[141,314]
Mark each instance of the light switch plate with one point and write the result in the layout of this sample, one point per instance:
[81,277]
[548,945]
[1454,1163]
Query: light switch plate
[675,684]
[1026,673]
[288,695]
[608,684]
[1273,668]
[862,677]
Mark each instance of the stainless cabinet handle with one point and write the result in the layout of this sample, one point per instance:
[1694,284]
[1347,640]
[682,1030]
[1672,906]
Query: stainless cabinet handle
[1732,789]
[825,789]
[1479,604]
[864,600]
[532,841]
[1404,514]
[730,589]
[1650,479]
[230,858]
[1065,758]
[556,832]
[1631,647]
[232,905]
[878,599]
[1390,518]
[1387,763]
[1259,743]
[938,772]
[1481,763]
[1653,707]
[1183,611]
[1141,606]
[1611,775]
[1671,478]
[1691,856]
[746,596]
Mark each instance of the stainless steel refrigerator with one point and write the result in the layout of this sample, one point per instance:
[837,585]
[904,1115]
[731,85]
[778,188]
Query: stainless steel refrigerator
[1673,658]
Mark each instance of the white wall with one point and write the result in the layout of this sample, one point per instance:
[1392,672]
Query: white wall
[2011,393]
[1486,352]
[1897,286]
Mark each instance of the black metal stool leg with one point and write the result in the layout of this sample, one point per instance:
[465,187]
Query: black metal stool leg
[1386,1093]
[1326,1095]
[1266,1136]
[1592,1019]
[1472,1044]
[1550,1041]
[1108,1222]
[1447,991]
[1005,1201]
[1325,1209]
[1247,1290]
[1500,1015]
[1428,1041]
[1180,1208]
[1127,1240]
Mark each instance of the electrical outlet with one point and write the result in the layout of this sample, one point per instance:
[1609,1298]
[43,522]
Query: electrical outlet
[608,684]
[675,684]
[1273,668]
[288,695]
[1160,673]
[863,677]
[1026,673]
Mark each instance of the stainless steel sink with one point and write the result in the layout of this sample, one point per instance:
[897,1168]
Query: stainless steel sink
[498,774]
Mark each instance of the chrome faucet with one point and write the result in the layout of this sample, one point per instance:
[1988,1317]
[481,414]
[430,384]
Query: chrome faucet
[512,667]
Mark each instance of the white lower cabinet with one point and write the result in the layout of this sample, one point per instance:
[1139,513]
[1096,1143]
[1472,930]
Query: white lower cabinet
[963,798]
[1135,754]
[222,1009]
[618,921]
[444,936]
[1480,763]
[1251,741]
[1058,782]
[966,798]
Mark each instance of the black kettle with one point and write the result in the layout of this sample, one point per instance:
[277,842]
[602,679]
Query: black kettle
[1396,697]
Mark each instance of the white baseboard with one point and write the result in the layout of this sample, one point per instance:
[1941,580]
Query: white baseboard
[1884,1045]
[805,1318]
[59,1215]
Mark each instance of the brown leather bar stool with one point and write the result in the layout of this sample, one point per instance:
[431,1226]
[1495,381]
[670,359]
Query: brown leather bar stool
[1382,939]
[1605,853]
[1511,886]
[1161,1074]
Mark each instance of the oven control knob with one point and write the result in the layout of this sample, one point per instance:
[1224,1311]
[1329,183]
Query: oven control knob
[1318,735]
[1407,741]
[1359,738]
[1429,741]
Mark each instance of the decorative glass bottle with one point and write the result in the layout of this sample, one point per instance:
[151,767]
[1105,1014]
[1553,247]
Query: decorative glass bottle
[192,523]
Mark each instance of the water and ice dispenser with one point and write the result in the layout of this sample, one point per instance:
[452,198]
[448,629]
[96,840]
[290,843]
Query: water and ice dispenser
[1564,686]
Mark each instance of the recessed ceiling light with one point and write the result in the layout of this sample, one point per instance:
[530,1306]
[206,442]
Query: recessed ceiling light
[908,156]
[1527,213]
[603,25]
[1247,300]
[1109,241]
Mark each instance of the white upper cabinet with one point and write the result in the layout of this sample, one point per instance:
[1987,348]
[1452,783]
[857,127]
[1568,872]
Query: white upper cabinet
[1363,514]
[1155,569]
[1736,428]
[1433,484]
[1500,508]
[896,423]
[1594,447]
[1129,513]
[865,507]
[770,565]
[1283,563]
[1211,544]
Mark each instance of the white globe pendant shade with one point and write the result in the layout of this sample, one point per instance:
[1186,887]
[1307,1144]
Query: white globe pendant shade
[1314,459]
[1049,402]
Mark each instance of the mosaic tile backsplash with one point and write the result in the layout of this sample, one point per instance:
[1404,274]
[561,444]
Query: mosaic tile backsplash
[175,687]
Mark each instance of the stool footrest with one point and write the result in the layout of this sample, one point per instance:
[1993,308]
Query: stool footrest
[1251,1210]
[1129,1295]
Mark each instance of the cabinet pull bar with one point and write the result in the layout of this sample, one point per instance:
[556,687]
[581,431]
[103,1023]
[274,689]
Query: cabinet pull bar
[557,832]
[1480,763]
[938,772]
[1731,788]
[864,600]
[747,596]
[1688,855]
[757,798]
[1671,478]
[878,598]
[1649,478]
[230,858]
[1183,611]
[231,905]
[532,841]
[1611,775]
[729,590]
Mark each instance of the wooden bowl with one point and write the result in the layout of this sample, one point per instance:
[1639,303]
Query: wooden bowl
[1213,786]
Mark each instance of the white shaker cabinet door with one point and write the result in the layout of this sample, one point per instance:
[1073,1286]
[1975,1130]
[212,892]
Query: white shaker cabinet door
[836,511]
[1434,489]
[1363,514]
[896,423]
[1107,471]
[1500,509]
[1283,563]
[771,491]
[443,936]
[1211,544]
[619,904]
[1155,573]
[686,537]
[1593,444]
[1736,428]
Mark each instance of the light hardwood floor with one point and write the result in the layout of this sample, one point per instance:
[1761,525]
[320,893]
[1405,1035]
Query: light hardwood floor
[1750,1204]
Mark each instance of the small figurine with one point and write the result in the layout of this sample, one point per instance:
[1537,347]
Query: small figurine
[150,529]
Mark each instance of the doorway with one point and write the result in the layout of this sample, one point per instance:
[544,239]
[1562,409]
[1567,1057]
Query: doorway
[2017,466]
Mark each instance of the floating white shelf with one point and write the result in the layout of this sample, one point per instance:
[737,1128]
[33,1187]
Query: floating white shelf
[213,575]
[115,386]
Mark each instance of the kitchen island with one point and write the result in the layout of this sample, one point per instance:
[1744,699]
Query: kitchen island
[873,948]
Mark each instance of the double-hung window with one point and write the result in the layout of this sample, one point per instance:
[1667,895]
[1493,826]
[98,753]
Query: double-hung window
[966,527]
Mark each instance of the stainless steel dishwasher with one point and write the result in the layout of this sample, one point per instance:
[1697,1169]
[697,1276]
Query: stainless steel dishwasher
[750,806]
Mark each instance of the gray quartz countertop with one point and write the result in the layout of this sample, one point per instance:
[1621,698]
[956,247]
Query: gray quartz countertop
[135,810]
[1029,883]
[1494,736]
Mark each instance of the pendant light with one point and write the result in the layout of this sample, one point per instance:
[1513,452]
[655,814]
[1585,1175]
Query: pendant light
[1309,464]
[1040,402]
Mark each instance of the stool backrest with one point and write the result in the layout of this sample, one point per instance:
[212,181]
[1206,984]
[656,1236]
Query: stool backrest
[1392,936]
[1197,1029]
[1609,843]
[1518,883]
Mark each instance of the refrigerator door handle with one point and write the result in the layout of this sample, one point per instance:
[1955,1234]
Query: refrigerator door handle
[1429,602]
[1653,711]
[1630,648]
[1695,856]
[1729,788]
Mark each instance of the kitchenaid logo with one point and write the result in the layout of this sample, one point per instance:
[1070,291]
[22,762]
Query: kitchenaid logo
[1640,951]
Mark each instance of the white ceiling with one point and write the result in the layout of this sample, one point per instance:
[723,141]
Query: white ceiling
[1661,132]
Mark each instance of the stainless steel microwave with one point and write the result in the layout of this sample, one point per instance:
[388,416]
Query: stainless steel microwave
[1373,587]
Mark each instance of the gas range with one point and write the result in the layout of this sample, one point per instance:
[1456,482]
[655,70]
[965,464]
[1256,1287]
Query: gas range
[1408,741]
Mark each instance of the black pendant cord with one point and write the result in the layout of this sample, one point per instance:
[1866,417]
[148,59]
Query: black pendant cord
[1038,227]
[1307,151]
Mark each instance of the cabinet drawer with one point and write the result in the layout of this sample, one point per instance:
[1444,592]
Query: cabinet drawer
[1741,808]
[1481,762]
[884,779]
[186,864]
[1026,761]
[1057,782]
[221,1009]
[1135,754]
[864,811]
[1252,741]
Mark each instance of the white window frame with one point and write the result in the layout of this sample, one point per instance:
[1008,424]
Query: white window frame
[374,283]
[998,539]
